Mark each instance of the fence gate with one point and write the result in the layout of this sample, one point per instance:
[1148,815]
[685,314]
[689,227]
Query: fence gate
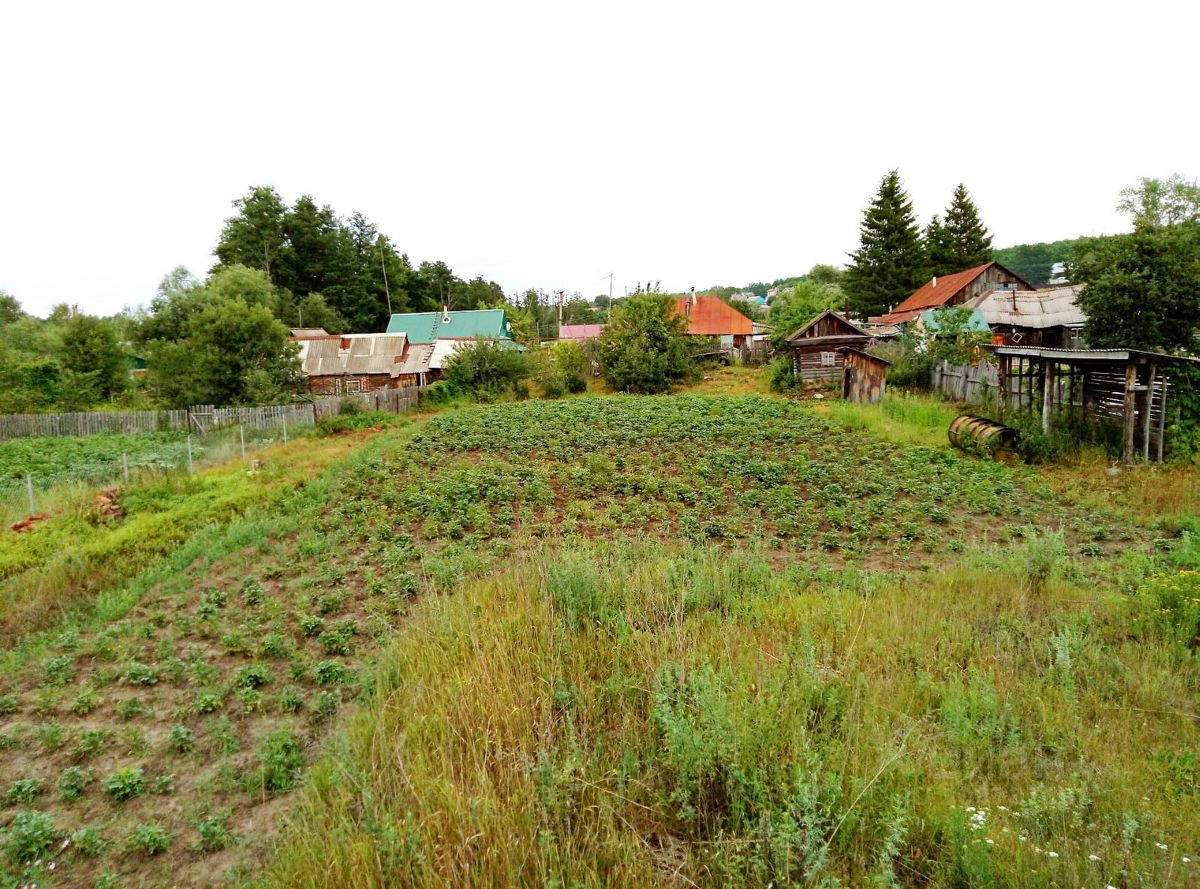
[200,418]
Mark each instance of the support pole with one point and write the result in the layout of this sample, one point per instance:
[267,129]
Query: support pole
[29,491]
[1162,417]
[242,439]
[125,467]
[285,428]
[1002,382]
[1148,401]
[1129,411]
[189,453]
[1047,394]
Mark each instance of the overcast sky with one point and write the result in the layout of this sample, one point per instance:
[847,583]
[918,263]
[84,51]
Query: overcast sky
[548,144]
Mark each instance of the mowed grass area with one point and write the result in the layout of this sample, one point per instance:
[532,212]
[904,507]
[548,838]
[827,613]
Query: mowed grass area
[642,641]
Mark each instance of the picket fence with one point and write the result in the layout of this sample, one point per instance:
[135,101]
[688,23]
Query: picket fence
[966,382]
[204,418]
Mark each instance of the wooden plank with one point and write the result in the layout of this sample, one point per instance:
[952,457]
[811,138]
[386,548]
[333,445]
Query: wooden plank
[1148,402]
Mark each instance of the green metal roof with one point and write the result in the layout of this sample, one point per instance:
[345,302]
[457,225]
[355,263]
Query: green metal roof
[465,324]
[976,323]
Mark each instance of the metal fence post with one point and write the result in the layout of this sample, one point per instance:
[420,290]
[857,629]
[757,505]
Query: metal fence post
[125,467]
[29,490]
[242,438]
[189,453]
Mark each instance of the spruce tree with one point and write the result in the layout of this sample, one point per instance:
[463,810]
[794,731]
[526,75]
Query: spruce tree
[966,242]
[939,248]
[891,261]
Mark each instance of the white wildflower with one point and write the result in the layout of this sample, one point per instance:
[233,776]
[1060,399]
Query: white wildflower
[1052,854]
[1093,857]
[1162,846]
[990,841]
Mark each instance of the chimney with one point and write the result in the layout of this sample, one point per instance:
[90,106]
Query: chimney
[691,301]
[445,313]
[935,280]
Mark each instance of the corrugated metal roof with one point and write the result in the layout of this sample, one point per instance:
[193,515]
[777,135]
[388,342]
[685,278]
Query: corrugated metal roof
[1036,309]
[465,324]
[712,316]
[416,359]
[580,331]
[371,353]
[937,291]
[1068,355]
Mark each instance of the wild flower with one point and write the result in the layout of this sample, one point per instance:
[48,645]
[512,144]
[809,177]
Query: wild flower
[1161,846]
[1093,857]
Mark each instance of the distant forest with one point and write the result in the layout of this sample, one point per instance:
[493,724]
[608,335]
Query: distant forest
[1033,261]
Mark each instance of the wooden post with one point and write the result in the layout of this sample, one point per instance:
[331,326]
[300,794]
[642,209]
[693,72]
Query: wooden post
[1047,393]
[1002,382]
[29,490]
[1129,408]
[1162,417]
[1148,402]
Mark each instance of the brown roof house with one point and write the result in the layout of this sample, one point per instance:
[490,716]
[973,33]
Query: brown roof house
[954,290]
[1050,318]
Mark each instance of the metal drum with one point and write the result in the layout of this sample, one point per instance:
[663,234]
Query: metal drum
[980,435]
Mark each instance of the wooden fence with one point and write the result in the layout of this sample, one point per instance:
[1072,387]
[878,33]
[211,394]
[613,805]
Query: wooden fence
[52,425]
[204,418]
[966,382]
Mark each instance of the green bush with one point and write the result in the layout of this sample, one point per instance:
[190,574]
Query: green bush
[644,348]
[214,833]
[783,375]
[486,369]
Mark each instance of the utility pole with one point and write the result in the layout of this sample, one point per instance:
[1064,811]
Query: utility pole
[383,268]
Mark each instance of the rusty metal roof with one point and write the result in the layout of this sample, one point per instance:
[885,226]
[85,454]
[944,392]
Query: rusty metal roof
[937,291]
[1037,309]
[712,316]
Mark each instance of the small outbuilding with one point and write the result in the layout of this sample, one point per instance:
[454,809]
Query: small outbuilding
[816,346]
[864,376]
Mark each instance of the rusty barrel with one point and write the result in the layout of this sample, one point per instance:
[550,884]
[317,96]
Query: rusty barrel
[979,434]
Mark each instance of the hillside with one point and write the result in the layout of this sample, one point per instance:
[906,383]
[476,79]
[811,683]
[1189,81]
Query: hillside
[1033,262]
[675,641]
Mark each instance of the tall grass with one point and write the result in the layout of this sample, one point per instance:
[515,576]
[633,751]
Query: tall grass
[915,420]
[633,715]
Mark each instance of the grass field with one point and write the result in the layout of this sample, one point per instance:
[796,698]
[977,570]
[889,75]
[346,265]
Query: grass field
[713,640]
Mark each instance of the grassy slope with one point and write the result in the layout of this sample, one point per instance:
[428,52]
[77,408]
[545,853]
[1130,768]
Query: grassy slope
[672,713]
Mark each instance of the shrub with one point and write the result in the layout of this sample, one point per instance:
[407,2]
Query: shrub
[253,591]
[125,784]
[149,839]
[281,761]
[486,369]
[208,702]
[644,346]
[356,422]
[30,834]
[131,707]
[164,785]
[783,375]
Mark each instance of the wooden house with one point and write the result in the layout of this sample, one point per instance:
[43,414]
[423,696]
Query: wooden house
[336,365]
[1050,318]
[815,346]
[955,290]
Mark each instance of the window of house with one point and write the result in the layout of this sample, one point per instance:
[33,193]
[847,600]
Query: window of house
[828,359]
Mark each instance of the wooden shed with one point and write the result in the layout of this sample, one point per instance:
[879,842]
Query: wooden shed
[864,376]
[815,346]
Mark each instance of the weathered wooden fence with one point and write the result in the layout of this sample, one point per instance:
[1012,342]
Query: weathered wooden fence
[204,418]
[967,382]
[50,425]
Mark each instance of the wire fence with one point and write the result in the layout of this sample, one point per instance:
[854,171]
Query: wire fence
[59,473]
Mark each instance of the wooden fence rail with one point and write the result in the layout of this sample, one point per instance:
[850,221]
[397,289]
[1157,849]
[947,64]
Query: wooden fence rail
[203,418]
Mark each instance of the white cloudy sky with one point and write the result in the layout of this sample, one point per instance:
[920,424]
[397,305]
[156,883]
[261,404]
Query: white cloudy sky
[547,144]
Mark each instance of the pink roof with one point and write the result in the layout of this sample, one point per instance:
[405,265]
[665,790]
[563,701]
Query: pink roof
[580,331]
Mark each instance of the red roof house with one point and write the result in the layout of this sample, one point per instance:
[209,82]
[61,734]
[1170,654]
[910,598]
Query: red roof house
[954,290]
[712,316]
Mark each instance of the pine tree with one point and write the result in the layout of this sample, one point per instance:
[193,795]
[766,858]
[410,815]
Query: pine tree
[966,242]
[937,245]
[891,261]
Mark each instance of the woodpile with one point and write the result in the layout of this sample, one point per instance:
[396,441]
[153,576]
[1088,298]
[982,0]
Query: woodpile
[107,505]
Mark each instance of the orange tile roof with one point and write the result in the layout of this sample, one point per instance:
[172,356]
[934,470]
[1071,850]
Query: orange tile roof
[712,316]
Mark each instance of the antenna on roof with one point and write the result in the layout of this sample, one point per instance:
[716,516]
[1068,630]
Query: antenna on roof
[386,290]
